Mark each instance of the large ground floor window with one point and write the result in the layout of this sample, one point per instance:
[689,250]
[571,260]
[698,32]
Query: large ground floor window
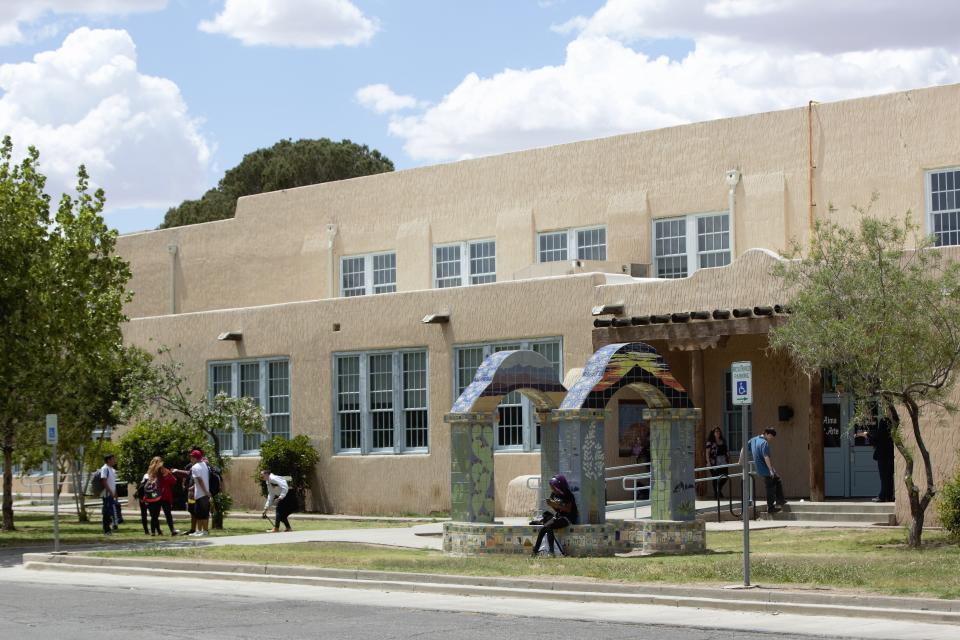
[517,426]
[267,382]
[380,402]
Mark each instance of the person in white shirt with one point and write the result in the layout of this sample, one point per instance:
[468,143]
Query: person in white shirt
[201,492]
[278,493]
[111,507]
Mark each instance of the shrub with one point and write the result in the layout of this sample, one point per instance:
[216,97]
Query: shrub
[948,506]
[295,458]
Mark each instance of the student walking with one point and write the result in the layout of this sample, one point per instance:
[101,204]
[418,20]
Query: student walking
[278,494]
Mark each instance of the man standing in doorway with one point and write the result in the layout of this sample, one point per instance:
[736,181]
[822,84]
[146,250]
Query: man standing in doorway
[110,510]
[882,441]
[200,473]
[760,451]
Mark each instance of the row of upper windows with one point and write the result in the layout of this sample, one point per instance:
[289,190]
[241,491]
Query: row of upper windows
[680,246]
[475,262]
[380,398]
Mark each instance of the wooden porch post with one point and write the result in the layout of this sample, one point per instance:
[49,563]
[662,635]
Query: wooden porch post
[698,396]
[815,426]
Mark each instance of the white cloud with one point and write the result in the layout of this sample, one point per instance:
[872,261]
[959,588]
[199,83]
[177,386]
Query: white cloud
[382,99]
[14,14]
[293,23]
[86,103]
[747,56]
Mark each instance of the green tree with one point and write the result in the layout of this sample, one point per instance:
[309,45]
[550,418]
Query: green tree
[161,392]
[171,441]
[61,306]
[886,319]
[285,165]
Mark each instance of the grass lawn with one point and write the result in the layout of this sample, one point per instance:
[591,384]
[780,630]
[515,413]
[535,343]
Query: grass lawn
[37,528]
[852,559]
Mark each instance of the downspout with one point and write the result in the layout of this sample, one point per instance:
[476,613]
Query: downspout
[733,179]
[810,165]
[172,249]
[331,234]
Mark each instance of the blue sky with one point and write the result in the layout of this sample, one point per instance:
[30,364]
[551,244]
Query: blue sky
[158,97]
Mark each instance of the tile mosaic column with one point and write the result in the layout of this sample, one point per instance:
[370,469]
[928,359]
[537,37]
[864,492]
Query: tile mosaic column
[471,466]
[672,433]
[581,459]
[549,454]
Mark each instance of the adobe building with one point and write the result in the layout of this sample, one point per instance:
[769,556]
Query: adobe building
[356,311]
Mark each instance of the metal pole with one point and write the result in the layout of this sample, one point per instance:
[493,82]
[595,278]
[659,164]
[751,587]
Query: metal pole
[56,503]
[745,496]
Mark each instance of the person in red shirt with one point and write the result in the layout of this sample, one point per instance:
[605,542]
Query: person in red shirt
[164,480]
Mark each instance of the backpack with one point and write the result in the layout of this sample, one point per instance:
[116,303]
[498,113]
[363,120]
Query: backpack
[216,479]
[96,482]
[151,491]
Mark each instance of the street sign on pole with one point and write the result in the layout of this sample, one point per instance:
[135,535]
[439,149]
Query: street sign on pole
[741,374]
[52,439]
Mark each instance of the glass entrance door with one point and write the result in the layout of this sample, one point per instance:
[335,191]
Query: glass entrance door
[849,470]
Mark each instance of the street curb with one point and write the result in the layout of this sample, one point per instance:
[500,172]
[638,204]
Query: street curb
[756,600]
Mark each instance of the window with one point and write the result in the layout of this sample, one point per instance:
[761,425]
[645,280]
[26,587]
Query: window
[380,402]
[943,206]
[266,382]
[369,274]
[683,245]
[456,265]
[517,427]
[733,416]
[590,244]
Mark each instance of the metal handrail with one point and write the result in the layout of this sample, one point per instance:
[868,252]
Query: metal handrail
[630,482]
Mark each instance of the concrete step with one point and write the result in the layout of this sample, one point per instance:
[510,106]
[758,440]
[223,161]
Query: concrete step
[830,516]
[842,507]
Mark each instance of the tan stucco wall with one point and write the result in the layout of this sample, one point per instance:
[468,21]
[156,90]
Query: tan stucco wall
[414,483]
[275,250]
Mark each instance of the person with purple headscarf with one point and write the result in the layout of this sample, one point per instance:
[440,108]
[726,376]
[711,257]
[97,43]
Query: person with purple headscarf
[563,514]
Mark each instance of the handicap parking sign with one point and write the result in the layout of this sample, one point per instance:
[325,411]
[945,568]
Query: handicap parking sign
[741,373]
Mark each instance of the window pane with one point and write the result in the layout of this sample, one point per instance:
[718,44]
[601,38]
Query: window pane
[415,399]
[278,401]
[348,401]
[592,244]
[483,262]
[945,207]
[250,388]
[468,361]
[509,412]
[385,273]
[220,382]
[352,277]
[553,246]
[713,241]
[670,247]
[447,266]
[381,400]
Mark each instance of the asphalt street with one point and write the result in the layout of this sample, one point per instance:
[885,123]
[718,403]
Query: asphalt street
[80,612]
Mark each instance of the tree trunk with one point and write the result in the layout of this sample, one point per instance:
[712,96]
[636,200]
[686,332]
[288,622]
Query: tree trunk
[8,482]
[918,503]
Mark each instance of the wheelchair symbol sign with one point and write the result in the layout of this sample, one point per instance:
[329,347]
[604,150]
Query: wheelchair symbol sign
[741,373]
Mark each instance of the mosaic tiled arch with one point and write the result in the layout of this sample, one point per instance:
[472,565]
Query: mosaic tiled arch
[632,364]
[505,371]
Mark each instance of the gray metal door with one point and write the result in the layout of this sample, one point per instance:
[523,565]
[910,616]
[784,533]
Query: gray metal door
[848,466]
